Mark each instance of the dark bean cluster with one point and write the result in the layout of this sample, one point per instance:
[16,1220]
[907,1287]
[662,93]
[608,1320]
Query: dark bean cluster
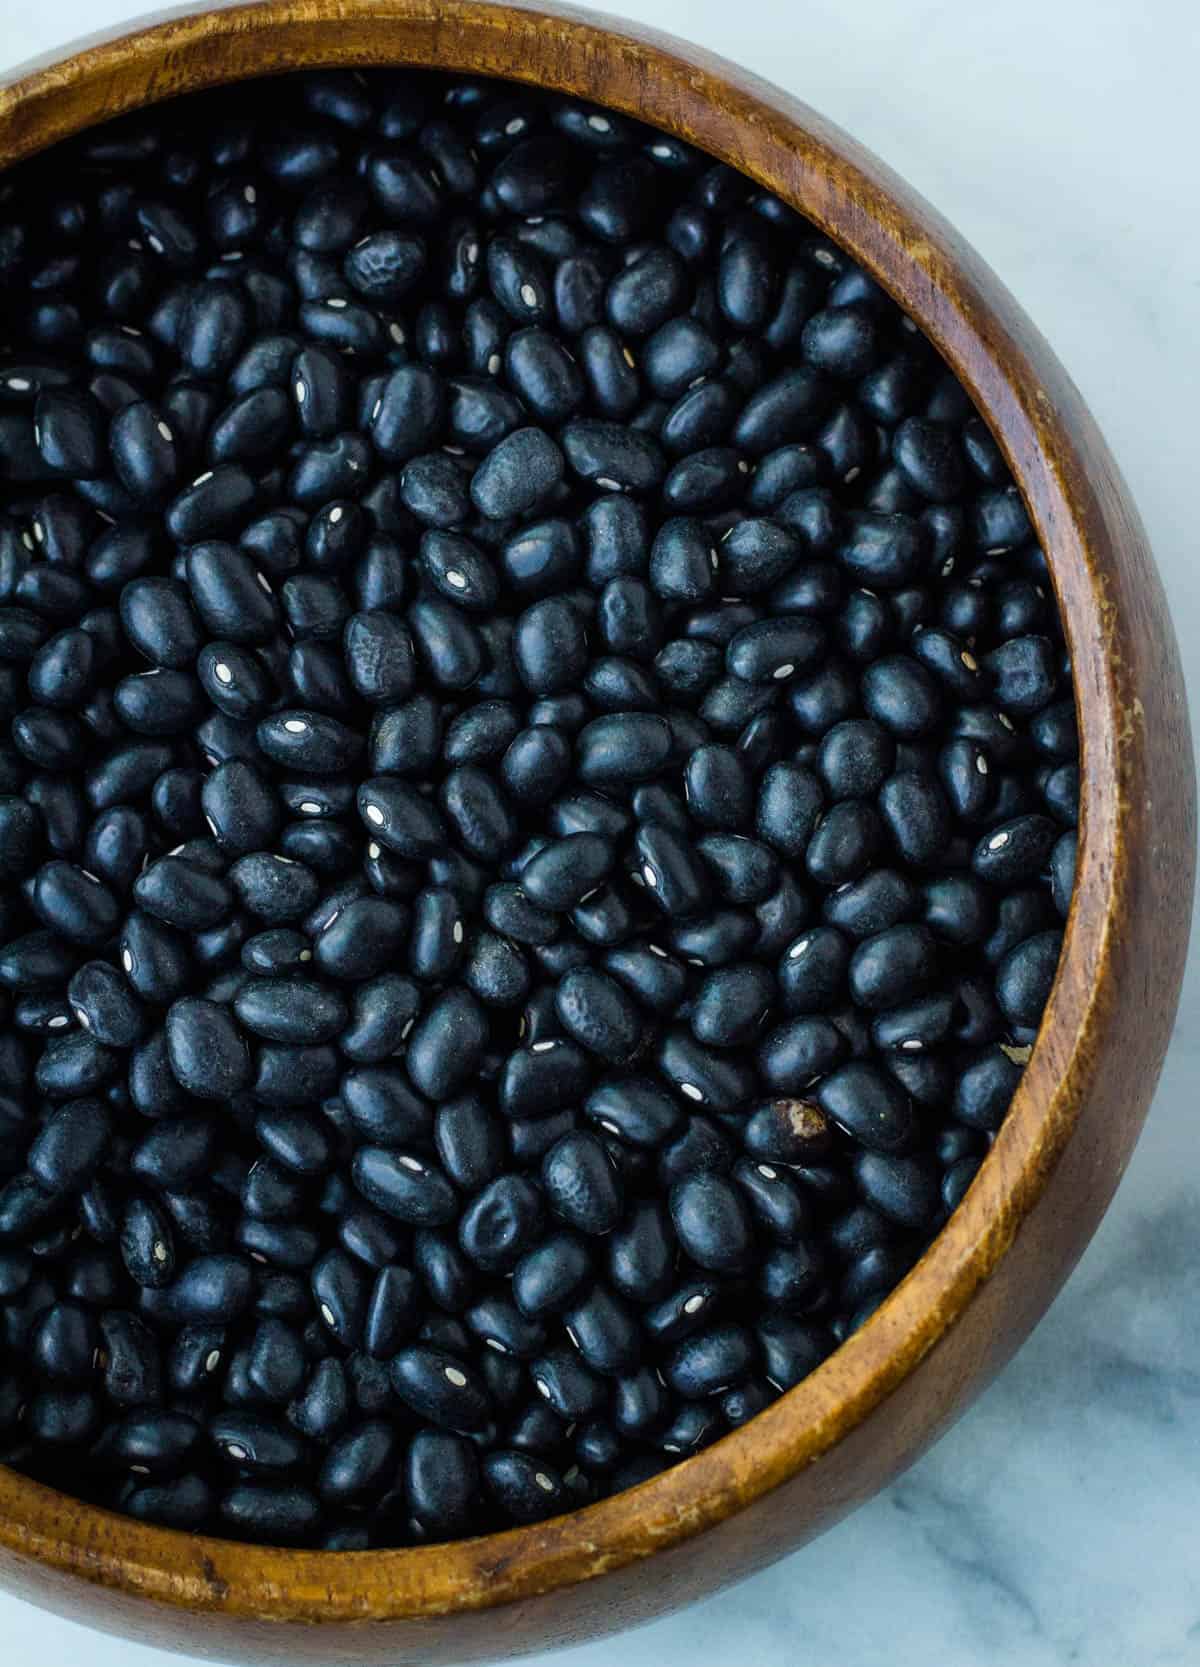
[537,806]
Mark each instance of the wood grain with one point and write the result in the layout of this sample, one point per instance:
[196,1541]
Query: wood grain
[964,1309]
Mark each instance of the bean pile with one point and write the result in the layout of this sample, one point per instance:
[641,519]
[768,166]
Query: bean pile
[537,805]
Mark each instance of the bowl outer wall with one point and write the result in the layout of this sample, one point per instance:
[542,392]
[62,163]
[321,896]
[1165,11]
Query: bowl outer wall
[967,1305]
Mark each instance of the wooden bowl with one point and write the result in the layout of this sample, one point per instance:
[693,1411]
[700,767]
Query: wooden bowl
[962,1311]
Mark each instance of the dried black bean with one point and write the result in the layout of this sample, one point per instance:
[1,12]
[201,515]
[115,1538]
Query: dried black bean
[208,1055]
[517,475]
[440,1387]
[1015,852]
[580,1184]
[408,1188]
[869,1104]
[70,1146]
[501,1223]
[464,863]
[596,1011]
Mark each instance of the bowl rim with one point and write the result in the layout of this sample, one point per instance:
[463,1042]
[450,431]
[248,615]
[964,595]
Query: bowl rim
[1037,417]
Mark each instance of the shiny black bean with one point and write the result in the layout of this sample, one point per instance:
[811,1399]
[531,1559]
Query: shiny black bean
[1023,672]
[527,1488]
[1062,872]
[445,1046]
[158,620]
[711,1222]
[646,293]
[1025,975]
[612,457]
[74,1064]
[742,870]
[670,870]
[215,502]
[147,1243]
[550,646]
[156,1444]
[182,894]
[441,1388]
[813,970]
[616,203]
[1016,852]
[557,878]
[901,695]
[290,1009]
[74,903]
[855,759]
[340,1290]
[731,1005]
[324,1405]
[879,900]
[361,939]
[383,1107]
[449,647]
[272,887]
[546,1278]
[272,1515]
[892,967]
[383,1010]
[869,1105]
[791,1348]
[433,488]
[294,1139]
[398,817]
[905,1189]
[609,372]
[442,1482]
[408,1188]
[641,1253]
[708,1362]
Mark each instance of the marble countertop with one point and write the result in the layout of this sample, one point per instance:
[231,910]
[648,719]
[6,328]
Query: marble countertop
[1057,1522]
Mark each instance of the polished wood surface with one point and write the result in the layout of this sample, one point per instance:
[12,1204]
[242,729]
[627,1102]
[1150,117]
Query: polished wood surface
[989,1276]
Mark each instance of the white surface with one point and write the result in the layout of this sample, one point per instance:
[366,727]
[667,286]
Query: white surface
[1057,1523]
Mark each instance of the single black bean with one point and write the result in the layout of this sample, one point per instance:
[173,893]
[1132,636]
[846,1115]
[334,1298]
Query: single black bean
[641,1253]
[708,1362]
[601,1017]
[870,1105]
[711,1222]
[1016,852]
[917,816]
[501,1223]
[1025,975]
[517,474]
[731,1005]
[208,1055]
[448,645]
[581,1186]
[445,1047]
[70,1146]
[408,1188]
[442,1389]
